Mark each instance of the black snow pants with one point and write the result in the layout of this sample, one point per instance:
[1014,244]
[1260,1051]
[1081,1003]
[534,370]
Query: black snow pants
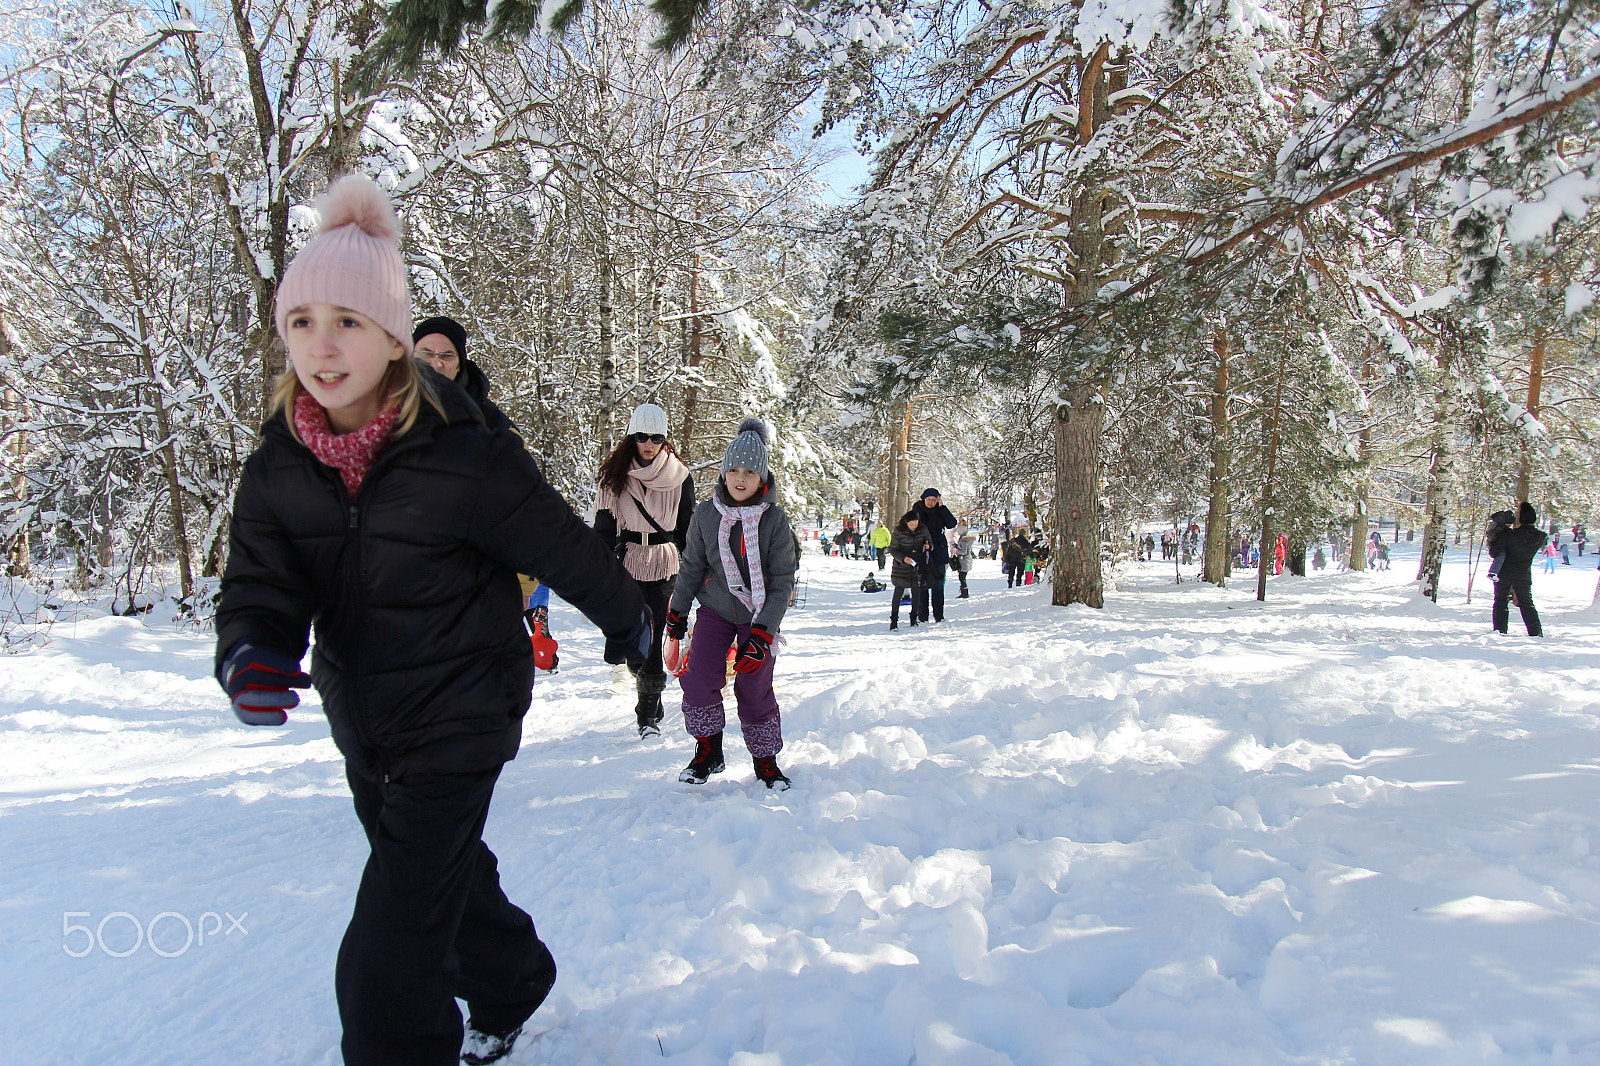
[652,676]
[431,924]
[1501,612]
[931,592]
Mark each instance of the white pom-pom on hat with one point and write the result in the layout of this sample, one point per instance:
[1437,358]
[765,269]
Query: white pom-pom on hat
[355,200]
[353,262]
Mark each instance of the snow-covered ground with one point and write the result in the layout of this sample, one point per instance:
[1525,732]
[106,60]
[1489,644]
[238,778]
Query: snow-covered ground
[1336,827]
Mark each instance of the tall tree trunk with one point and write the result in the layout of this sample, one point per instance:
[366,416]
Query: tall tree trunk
[1441,469]
[606,414]
[1079,414]
[166,451]
[692,357]
[167,456]
[1076,508]
[14,464]
[1358,521]
[103,543]
[1535,399]
[1218,536]
[1271,438]
[900,463]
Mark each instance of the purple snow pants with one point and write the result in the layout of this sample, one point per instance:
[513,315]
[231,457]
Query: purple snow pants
[702,685]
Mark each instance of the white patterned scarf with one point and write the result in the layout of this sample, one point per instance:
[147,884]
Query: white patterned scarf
[749,518]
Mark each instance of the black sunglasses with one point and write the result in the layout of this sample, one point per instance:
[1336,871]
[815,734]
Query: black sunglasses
[650,438]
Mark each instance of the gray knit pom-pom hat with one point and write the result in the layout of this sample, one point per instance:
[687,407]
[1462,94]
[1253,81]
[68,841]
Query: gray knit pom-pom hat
[748,449]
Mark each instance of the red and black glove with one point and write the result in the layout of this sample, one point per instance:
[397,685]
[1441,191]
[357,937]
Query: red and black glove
[754,652]
[677,625]
[258,681]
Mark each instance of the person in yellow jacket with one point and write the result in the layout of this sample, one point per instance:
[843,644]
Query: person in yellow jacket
[880,543]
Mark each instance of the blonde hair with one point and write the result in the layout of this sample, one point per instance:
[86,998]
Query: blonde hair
[403,387]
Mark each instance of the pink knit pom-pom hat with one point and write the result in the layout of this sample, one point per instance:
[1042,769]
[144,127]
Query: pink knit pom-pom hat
[353,262]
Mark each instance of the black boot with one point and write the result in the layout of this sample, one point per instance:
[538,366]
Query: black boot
[651,682]
[481,1048]
[648,712]
[707,760]
[768,773]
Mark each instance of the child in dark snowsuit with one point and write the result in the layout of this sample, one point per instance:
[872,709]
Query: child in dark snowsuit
[739,562]
[380,508]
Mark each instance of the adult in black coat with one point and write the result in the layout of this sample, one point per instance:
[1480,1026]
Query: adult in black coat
[936,518]
[1515,549]
[1015,555]
[442,344]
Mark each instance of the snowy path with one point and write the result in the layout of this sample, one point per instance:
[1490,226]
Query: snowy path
[1337,827]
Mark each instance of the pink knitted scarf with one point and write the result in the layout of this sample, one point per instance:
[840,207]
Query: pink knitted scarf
[352,454]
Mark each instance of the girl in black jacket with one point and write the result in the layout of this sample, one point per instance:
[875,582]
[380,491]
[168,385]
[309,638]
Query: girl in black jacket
[909,546]
[380,508]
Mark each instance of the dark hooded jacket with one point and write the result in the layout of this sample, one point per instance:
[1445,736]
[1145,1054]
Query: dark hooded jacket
[1017,549]
[421,658]
[1516,549]
[475,384]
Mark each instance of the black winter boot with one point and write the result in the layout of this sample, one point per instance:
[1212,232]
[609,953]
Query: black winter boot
[707,760]
[481,1048]
[767,772]
[648,712]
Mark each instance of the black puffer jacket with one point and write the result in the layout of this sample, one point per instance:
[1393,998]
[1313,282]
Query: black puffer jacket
[1518,546]
[914,543]
[421,657]
[476,384]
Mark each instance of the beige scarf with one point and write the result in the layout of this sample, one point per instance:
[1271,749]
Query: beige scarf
[659,486]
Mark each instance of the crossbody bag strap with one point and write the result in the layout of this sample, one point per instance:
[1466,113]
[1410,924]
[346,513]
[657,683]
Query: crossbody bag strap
[646,514]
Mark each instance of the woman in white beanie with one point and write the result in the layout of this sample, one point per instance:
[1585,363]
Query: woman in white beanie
[642,512]
[379,508]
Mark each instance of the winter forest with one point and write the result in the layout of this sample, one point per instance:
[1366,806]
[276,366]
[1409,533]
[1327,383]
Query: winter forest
[1287,267]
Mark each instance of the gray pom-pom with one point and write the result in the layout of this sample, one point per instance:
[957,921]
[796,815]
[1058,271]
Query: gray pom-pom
[756,426]
[356,200]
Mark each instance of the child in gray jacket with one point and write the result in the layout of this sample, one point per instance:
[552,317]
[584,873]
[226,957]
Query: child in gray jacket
[743,583]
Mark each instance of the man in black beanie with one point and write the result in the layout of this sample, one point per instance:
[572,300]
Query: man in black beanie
[442,344]
[1516,548]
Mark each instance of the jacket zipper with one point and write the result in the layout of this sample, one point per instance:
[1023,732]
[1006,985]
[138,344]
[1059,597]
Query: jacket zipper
[358,590]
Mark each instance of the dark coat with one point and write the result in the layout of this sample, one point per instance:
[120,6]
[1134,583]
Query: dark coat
[935,522]
[421,657]
[476,385]
[907,542]
[1017,550]
[1516,549]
